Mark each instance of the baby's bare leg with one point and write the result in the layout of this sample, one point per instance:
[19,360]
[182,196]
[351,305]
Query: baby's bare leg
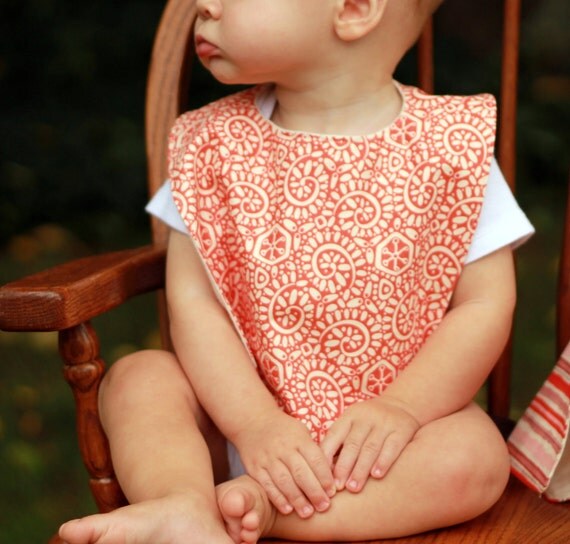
[161,443]
[453,470]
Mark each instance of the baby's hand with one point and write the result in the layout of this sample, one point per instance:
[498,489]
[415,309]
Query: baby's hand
[368,438]
[279,453]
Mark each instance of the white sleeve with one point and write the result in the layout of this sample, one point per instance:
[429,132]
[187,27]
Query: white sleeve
[162,206]
[502,222]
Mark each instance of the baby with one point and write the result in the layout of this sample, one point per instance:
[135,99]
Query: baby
[340,284]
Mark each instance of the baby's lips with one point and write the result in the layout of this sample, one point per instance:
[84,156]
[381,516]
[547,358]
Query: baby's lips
[205,49]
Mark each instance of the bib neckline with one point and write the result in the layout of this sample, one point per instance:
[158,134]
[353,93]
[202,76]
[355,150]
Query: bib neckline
[264,102]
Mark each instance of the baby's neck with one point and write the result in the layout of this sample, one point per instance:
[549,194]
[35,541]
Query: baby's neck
[338,109]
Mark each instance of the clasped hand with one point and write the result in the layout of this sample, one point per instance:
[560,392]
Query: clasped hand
[366,441]
[277,451]
[299,475]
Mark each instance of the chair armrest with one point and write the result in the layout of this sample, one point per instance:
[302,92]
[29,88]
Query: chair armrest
[72,293]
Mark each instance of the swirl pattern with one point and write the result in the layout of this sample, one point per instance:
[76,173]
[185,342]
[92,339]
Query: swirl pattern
[336,257]
[244,136]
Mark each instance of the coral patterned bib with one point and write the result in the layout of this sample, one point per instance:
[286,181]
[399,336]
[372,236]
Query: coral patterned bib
[336,256]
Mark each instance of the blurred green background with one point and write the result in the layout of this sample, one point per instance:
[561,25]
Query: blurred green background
[72,183]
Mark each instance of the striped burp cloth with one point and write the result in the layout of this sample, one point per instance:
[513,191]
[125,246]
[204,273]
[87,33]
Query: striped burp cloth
[539,448]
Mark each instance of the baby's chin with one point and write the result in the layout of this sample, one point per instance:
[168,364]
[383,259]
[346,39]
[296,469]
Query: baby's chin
[228,76]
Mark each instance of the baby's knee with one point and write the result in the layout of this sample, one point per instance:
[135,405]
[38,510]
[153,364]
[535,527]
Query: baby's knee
[132,376]
[137,366]
[477,472]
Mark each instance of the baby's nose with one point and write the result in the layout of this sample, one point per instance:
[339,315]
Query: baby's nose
[209,9]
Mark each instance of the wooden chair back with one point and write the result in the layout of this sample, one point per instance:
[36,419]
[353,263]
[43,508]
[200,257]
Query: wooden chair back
[168,88]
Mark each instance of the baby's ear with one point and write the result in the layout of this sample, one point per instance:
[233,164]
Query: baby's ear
[356,18]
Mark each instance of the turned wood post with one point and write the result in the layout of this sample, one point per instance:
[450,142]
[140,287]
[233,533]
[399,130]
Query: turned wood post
[83,370]
[499,392]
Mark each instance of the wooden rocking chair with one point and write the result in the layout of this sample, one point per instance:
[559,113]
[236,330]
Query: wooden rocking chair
[67,297]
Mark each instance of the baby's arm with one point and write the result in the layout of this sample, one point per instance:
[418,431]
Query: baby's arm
[443,377]
[276,449]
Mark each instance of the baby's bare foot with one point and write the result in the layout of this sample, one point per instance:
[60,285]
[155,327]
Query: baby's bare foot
[175,519]
[246,510]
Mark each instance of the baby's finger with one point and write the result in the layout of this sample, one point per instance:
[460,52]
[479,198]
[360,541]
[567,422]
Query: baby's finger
[285,482]
[308,483]
[321,468]
[273,494]
[334,439]
[391,450]
[349,455]
[368,456]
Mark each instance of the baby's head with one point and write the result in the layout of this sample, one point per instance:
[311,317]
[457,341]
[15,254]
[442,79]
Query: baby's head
[258,41]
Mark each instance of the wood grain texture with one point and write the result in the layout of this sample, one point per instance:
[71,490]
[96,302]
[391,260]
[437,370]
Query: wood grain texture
[167,92]
[83,371]
[75,292]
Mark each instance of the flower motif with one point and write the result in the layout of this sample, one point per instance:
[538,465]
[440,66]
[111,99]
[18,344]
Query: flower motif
[405,131]
[273,246]
[394,255]
[377,379]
